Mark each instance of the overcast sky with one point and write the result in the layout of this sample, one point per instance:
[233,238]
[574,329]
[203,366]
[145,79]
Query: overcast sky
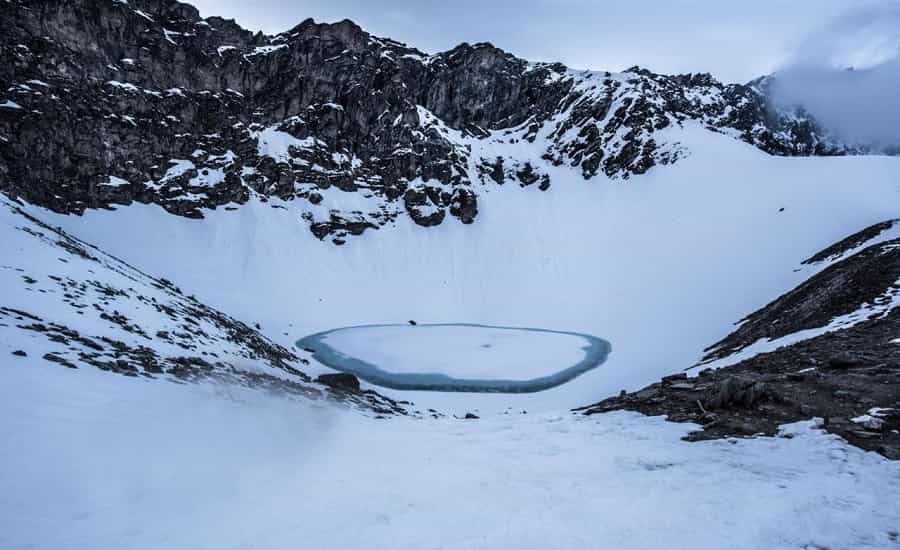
[736,41]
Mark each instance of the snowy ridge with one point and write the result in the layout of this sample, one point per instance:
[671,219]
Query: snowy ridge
[879,309]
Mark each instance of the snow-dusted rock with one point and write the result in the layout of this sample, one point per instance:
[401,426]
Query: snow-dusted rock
[137,86]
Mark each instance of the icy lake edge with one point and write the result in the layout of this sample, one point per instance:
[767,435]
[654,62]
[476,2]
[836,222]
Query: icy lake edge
[596,351]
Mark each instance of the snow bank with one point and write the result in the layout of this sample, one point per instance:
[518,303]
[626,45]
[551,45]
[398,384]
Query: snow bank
[276,144]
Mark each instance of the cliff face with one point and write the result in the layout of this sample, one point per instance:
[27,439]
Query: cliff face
[108,102]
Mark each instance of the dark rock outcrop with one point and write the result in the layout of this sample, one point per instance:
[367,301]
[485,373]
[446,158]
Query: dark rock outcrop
[110,103]
[794,383]
[339,381]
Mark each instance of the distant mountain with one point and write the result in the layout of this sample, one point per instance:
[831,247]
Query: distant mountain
[111,102]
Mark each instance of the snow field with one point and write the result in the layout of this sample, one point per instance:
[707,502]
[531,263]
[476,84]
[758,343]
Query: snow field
[112,462]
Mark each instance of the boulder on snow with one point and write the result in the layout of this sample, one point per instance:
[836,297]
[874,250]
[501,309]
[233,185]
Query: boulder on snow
[737,392]
[672,378]
[424,206]
[339,381]
[464,205]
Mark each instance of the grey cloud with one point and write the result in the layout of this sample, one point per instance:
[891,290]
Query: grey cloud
[847,75]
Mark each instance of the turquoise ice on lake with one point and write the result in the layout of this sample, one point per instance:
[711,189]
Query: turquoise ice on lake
[458,357]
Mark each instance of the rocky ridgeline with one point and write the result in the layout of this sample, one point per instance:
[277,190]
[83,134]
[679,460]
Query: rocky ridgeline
[108,102]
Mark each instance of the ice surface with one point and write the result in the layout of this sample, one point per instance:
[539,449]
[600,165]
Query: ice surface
[458,357]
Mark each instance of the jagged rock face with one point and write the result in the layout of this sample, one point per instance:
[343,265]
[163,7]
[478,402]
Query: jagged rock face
[108,102]
[481,88]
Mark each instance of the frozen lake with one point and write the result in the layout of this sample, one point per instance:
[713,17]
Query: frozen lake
[458,357]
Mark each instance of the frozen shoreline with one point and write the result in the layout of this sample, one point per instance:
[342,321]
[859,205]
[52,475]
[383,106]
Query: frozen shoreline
[335,353]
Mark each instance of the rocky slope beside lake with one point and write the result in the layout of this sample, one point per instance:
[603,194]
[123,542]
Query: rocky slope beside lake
[829,348]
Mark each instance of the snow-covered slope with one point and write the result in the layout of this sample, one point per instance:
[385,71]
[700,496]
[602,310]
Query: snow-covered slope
[827,348]
[66,303]
[660,266]
[96,461]
[851,282]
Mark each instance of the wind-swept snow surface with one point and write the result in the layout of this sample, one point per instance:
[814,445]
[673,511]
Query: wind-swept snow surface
[94,460]
[69,302]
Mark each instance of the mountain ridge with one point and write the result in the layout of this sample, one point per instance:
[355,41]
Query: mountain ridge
[196,114]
